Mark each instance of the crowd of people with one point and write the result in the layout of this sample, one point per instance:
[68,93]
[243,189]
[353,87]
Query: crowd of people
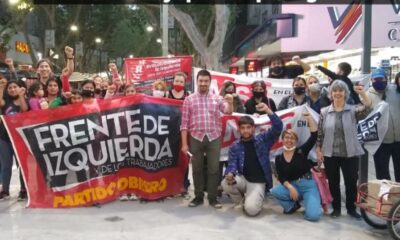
[248,175]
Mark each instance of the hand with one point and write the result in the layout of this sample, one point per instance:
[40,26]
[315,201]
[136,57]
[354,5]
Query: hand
[22,92]
[294,195]
[320,156]
[69,51]
[359,89]
[185,149]
[262,107]
[230,178]
[229,98]
[112,67]
[111,89]
[296,58]
[67,95]
[9,62]
[3,83]
[306,115]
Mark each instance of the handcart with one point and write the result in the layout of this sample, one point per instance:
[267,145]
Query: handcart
[379,213]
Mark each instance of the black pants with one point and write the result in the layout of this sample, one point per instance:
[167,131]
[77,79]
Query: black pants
[349,168]
[382,158]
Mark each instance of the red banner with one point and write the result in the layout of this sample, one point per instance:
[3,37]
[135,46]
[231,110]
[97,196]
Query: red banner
[144,71]
[83,154]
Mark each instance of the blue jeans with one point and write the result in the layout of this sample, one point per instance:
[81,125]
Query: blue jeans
[308,192]
[6,159]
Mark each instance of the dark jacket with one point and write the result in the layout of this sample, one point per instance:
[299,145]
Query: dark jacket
[263,143]
[334,76]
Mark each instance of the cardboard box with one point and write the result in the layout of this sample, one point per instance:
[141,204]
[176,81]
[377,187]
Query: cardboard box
[378,188]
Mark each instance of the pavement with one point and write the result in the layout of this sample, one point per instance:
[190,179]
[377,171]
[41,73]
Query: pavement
[171,219]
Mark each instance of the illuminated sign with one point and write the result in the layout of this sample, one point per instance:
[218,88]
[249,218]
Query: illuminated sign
[233,70]
[251,65]
[21,47]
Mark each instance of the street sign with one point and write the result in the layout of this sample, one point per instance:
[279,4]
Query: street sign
[49,39]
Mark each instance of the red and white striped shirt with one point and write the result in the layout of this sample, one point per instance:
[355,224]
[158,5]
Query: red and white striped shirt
[201,115]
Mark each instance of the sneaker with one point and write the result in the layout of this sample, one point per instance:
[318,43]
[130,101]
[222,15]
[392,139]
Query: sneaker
[335,213]
[215,204]
[296,207]
[4,195]
[185,195]
[22,196]
[354,214]
[124,198]
[196,202]
[132,197]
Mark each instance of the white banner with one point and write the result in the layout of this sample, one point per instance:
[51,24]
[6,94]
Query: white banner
[276,88]
[291,118]
[372,129]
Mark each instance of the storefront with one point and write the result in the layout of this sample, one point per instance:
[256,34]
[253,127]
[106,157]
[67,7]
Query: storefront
[19,50]
[329,34]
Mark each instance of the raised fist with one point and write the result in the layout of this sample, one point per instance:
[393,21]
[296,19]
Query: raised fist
[69,51]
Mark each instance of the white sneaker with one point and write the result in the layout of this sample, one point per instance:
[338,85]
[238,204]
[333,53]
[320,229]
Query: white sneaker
[124,198]
[133,197]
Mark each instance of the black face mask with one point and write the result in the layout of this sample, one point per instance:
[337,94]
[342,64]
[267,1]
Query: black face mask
[97,90]
[299,90]
[103,92]
[258,94]
[293,71]
[277,72]
[88,93]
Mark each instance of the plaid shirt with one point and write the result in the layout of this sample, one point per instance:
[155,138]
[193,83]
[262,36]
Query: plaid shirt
[201,115]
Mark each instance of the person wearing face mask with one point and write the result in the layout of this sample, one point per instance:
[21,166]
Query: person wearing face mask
[298,97]
[178,90]
[87,92]
[259,89]
[159,89]
[293,167]
[278,69]
[103,88]
[12,101]
[229,88]
[314,93]
[382,91]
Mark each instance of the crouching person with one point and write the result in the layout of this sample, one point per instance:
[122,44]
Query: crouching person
[249,170]
[293,169]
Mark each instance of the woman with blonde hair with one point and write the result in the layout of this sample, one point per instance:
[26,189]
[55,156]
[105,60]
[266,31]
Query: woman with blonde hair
[159,89]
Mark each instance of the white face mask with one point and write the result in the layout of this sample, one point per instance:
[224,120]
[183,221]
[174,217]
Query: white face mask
[158,93]
[289,149]
[314,87]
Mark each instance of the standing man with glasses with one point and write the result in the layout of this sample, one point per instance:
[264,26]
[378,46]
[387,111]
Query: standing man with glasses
[201,129]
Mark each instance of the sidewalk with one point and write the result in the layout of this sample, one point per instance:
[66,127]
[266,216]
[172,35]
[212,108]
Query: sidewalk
[171,219]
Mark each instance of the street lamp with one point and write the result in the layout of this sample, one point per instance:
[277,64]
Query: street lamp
[159,40]
[98,42]
[73,28]
[13,2]
[149,28]
[131,56]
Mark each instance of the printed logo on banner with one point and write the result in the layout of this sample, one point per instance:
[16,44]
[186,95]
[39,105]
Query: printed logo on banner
[345,23]
[99,144]
[368,128]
